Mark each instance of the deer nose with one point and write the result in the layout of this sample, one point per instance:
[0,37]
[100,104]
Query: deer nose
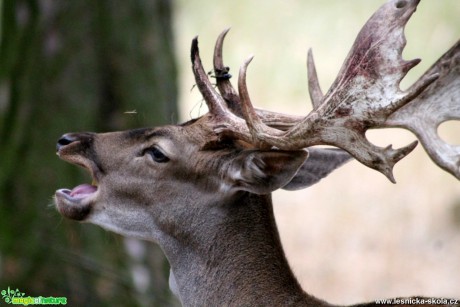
[65,140]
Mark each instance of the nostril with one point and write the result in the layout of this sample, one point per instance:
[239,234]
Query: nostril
[64,140]
[401,4]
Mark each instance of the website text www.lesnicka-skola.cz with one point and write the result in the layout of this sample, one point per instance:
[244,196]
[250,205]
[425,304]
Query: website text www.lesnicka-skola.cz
[418,301]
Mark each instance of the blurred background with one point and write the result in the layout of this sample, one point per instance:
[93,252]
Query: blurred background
[109,65]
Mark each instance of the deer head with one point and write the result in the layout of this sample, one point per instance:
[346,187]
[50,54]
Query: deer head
[172,186]
[143,176]
[202,189]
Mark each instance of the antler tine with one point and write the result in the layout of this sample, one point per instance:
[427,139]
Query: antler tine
[439,103]
[223,76]
[253,121]
[229,94]
[316,94]
[214,101]
[222,117]
[225,121]
[218,51]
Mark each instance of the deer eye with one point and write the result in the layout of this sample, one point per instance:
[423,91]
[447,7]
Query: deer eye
[156,155]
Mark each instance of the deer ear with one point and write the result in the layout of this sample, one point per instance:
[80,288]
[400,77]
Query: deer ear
[262,172]
[320,163]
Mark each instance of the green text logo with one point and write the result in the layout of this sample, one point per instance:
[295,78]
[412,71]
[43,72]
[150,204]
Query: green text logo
[17,297]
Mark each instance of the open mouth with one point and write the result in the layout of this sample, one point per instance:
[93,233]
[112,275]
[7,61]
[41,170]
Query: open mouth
[79,192]
[76,203]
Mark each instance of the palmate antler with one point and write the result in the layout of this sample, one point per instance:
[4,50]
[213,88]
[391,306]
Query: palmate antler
[365,95]
[440,102]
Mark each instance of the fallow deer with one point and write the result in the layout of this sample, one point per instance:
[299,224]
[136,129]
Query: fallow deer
[202,189]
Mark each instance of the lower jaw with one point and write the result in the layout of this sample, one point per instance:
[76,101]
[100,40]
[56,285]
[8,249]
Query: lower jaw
[75,208]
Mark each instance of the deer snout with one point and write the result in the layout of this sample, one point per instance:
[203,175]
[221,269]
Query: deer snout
[76,148]
[65,140]
[69,138]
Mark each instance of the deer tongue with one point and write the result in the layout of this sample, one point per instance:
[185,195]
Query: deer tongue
[83,190]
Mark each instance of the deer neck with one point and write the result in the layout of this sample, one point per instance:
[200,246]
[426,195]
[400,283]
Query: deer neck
[233,256]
